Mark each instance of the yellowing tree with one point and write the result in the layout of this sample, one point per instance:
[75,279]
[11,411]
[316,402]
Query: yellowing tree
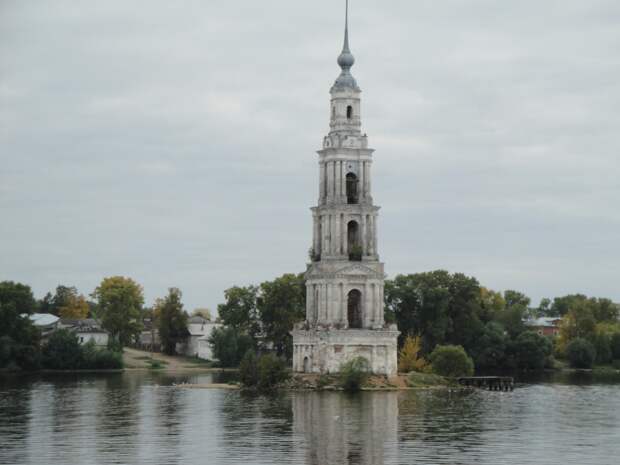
[76,308]
[203,312]
[409,358]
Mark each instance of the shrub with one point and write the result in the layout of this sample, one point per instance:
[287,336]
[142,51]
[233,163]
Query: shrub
[355,253]
[602,346]
[615,346]
[272,371]
[248,369]
[62,351]
[94,358]
[580,353]
[354,374]
[451,362]
[409,358]
[263,372]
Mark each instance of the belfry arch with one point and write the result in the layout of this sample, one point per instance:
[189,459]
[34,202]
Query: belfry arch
[352,195]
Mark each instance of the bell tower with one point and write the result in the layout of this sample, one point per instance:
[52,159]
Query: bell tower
[345,279]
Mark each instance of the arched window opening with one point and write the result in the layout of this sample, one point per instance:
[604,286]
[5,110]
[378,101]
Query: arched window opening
[352,189]
[349,112]
[354,248]
[306,365]
[354,309]
[333,112]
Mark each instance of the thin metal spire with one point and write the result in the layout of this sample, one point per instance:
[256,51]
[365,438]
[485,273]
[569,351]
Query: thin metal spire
[345,48]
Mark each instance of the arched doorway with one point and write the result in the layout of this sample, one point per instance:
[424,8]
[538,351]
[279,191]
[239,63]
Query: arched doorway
[352,197]
[354,309]
[306,365]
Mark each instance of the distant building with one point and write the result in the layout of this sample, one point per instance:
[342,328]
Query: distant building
[197,342]
[86,330]
[546,326]
[149,337]
[46,322]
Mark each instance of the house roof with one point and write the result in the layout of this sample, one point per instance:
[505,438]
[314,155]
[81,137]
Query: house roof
[549,322]
[43,319]
[88,325]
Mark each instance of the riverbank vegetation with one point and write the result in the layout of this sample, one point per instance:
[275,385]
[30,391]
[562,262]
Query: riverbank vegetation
[433,309]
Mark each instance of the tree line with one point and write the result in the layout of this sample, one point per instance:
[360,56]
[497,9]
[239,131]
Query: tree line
[439,308]
[117,304]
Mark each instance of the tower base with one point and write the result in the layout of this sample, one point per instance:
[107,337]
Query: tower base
[325,350]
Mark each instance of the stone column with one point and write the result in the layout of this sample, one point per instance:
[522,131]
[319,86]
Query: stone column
[374,234]
[343,181]
[316,242]
[328,303]
[337,240]
[367,306]
[309,303]
[343,303]
[367,179]
[363,234]
[371,238]
[381,308]
[324,233]
[322,183]
[362,182]
[330,181]
[378,305]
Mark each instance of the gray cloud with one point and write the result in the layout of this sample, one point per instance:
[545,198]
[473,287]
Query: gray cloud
[174,142]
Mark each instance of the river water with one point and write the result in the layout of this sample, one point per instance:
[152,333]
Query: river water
[143,418]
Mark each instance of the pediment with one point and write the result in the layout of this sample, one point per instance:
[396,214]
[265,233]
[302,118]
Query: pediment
[356,270]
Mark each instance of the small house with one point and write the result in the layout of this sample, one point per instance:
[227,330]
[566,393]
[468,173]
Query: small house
[86,330]
[545,326]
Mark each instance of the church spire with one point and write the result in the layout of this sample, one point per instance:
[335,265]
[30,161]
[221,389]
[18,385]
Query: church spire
[346,59]
[346,29]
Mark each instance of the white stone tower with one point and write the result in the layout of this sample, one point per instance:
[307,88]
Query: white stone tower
[344,281]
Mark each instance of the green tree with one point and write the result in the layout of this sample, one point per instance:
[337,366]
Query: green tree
[605,310]
[451,361]
[578,322]
[580,353]
[239,311]
[489,351]
[281,304]
[442,308]
[229,345]
[492,304]
[119,302]
[602,346]
[532,350]
[171,321]
[614,345]
[517,310]
[62,351]
[19,338]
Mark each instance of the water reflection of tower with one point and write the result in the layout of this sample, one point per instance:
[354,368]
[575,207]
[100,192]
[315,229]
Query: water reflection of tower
[342,429]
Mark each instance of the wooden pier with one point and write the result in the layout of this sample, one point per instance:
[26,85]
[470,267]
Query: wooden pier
[492,383]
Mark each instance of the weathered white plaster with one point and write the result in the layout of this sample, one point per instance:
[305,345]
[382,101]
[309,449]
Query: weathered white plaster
[337,328]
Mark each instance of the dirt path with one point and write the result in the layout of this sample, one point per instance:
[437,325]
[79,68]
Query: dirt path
[139,359]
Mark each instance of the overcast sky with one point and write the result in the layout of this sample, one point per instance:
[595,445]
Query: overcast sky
[174,142]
